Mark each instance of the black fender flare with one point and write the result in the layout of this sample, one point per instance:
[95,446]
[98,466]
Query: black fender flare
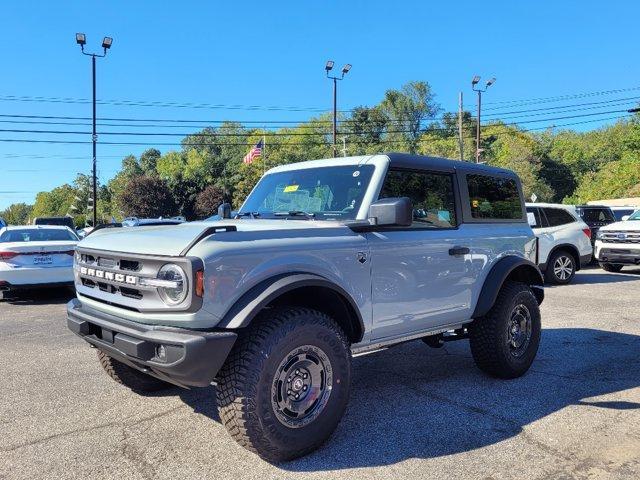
[256,298]
[521,269]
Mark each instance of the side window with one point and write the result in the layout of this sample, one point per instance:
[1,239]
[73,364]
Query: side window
[431,194]
[536,214]
[558,216]
[494,198]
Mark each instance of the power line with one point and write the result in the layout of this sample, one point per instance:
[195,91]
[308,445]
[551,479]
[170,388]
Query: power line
[160,104]
[286,134]
[559,98]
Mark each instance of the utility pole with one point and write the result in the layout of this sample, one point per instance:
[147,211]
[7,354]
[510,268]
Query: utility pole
[460,138]
[345,69]
[81,40]
[480,91]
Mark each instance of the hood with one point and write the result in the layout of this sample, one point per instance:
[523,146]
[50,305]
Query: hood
[172,240]
[625,226]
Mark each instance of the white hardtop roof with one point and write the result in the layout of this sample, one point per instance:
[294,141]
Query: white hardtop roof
[330,162]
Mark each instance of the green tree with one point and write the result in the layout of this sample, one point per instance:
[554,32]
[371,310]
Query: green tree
[147,197]
[208,201]
[406,109]
[617,179]
[17,213]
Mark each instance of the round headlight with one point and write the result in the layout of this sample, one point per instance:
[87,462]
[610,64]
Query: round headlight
[174,292]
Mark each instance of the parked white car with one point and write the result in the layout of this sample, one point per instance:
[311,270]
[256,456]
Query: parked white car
[618,244]
[36,256]
[564,240]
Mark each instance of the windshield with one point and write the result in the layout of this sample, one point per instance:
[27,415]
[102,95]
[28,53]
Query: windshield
[635,216]
[37,235]
[597,215]
[322,193]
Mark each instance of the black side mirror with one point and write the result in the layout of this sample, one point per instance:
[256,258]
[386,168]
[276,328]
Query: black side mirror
[391,212]
[224,210]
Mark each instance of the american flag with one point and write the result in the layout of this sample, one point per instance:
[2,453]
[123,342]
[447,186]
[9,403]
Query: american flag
[254,153]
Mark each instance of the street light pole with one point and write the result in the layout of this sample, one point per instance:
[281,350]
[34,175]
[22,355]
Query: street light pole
[474,83]
[328,67]
[81,40]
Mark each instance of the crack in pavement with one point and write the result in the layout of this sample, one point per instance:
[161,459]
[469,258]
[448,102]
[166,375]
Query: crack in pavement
[117,423]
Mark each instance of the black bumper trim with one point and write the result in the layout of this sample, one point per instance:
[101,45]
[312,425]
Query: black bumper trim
[6,286]
[192,358]
[585,260]
[615,255]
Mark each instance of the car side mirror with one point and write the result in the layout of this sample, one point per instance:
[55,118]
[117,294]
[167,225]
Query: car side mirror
[224,210]
[625,218]
[391,212]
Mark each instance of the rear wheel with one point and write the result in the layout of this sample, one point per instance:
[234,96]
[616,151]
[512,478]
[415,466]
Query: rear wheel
[561,268]
[130,377]
[285,385]
[505,341]
[611,267]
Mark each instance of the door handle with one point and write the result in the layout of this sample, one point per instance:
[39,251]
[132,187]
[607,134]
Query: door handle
[459,251]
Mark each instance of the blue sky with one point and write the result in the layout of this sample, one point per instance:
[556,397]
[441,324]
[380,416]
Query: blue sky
[273,53]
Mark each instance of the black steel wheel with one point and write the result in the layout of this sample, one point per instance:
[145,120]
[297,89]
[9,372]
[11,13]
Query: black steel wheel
[520,328]
[302,386]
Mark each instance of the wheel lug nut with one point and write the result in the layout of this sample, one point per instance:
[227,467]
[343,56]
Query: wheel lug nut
[297,396]
[304,387]
[297,372]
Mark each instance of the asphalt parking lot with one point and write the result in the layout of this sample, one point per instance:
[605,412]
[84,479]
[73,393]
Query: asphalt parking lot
[415,412]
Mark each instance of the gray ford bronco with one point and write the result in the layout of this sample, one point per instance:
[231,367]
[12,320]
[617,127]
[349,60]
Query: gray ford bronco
[324,261]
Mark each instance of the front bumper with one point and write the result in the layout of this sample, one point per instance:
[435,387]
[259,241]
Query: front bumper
[191,357]
[10,287]
[616,253]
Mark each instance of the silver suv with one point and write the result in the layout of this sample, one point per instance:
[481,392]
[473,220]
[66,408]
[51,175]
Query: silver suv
[325,260]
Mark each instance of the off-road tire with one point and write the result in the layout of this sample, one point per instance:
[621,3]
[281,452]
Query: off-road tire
[550,275]
[244,391]
[611,267]
[489,334]
[130,377]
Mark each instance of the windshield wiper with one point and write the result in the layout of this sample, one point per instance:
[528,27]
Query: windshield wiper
[247,214]
[295,213]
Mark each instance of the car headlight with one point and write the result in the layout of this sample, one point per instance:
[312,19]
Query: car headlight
[172,284]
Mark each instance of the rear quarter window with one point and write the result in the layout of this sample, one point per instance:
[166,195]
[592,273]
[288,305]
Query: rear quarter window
[494,198]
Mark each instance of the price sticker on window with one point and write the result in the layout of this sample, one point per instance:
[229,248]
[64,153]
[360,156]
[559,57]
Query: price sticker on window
[291,188]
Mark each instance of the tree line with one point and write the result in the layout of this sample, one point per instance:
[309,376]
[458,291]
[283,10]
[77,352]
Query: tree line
[558,165]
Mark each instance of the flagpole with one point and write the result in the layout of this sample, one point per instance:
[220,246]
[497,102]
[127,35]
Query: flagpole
[264,153]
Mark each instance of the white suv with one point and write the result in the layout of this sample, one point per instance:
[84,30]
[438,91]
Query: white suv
[564,240]
[618,244]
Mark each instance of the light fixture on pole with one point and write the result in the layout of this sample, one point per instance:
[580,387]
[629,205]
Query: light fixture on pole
[328,67]
[474,86]
[81,39]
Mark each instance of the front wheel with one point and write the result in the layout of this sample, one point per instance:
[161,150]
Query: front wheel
[611,267]
[505,341]
[130,377]
[285,385]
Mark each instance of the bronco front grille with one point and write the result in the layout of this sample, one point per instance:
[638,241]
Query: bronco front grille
[127,280]
[620,237]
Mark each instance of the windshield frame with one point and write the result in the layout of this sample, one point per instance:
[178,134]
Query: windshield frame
[378,162]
